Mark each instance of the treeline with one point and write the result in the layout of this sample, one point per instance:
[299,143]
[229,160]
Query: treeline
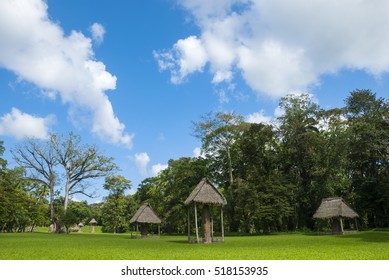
[273,176]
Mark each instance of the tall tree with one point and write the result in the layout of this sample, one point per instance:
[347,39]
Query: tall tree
[264,200]
[368,118]
[80,164]
[302,149]
[218,132]
[114,209]
[40,159]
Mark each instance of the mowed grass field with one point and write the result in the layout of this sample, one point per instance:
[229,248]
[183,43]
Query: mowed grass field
[368,245]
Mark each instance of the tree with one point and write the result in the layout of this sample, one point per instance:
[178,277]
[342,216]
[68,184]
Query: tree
[302,150]
[19,206]
[114,209]
[218,132]
[40,160]
[368,118]
[80,163]
[263,198]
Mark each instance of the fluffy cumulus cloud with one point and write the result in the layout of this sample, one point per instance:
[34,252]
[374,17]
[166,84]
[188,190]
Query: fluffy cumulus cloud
[20,125]
[281,46]
[188,56]
[37,50]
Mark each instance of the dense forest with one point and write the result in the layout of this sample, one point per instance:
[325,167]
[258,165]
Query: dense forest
[273,176]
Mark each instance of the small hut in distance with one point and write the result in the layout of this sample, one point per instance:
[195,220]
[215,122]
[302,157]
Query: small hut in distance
[145,216]
[337,209]
[206,194]
[93,223]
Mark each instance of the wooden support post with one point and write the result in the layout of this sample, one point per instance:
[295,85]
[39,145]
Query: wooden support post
[356,223]
[159,230]
[197,229]
[206,224]
[221,221]
[188,224]
[341,224]
[211,227]
[137,230]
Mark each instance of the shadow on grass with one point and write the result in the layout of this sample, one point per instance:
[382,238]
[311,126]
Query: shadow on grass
[178,241]
[365,236]
[370,236]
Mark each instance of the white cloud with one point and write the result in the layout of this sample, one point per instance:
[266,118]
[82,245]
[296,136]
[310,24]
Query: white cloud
[157,168]
[258,117]
[141,162]
[98,32]
[20,125]
[188,56]
[281,46]
[37,50]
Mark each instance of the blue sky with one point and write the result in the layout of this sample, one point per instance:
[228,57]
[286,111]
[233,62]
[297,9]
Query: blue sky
[131,76]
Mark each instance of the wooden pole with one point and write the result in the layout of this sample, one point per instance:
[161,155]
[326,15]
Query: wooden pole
[341,224]
[221,221]
[206,224]
[159,230]
[137,230]
[356,223]
[188,224]
[197,229]
[211,228]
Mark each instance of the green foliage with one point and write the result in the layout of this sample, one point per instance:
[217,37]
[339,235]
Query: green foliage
[117,207]
[369,156]
[167,192]
[19,207]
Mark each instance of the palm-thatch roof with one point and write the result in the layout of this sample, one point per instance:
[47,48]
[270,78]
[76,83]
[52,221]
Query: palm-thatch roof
[334,207]
[205,192]
[146,215]
[93,221]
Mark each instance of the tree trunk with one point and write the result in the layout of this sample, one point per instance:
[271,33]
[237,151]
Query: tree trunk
[207,234]
[52,218]
[66,202]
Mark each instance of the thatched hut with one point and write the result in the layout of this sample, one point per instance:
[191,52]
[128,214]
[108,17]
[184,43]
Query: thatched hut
[145,216]
[205,193]
[93,223]
[337,209]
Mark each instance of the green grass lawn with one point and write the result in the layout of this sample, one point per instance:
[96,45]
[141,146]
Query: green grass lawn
[369,245]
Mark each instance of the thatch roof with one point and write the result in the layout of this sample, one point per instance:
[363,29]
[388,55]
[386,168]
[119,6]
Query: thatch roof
[93,221]
[206,193]
[146,215]
[334,207]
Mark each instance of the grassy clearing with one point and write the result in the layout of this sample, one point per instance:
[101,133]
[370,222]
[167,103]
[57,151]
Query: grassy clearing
[371,245]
